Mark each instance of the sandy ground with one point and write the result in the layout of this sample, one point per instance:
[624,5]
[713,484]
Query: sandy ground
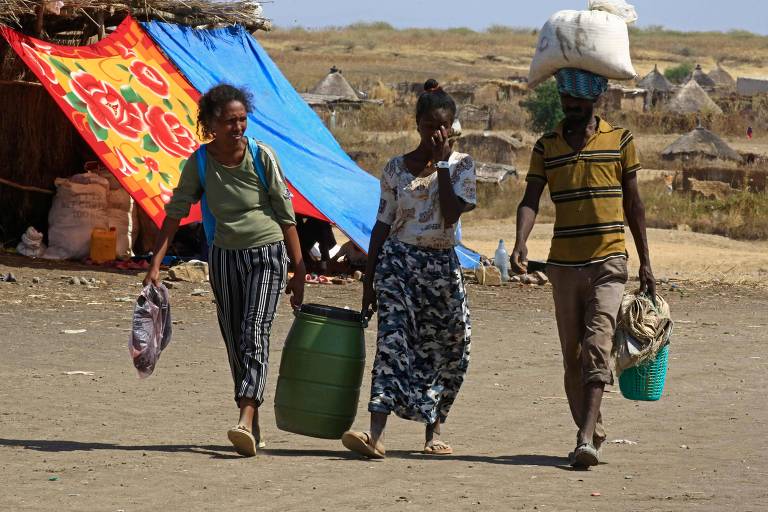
[111,442]
[675,255]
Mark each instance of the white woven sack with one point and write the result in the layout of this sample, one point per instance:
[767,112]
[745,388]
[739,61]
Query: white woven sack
[595,41]
[77,209]
[122,221]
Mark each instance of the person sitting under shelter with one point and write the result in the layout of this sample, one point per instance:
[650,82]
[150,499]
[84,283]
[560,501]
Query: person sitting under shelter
[315,231]
[349,258]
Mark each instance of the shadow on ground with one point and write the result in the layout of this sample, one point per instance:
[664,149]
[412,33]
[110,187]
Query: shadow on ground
[227,452]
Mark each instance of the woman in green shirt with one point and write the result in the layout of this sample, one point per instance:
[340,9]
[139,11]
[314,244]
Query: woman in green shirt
[248,258]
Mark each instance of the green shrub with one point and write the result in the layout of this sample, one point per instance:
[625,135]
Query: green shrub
[544,107]
[677,74]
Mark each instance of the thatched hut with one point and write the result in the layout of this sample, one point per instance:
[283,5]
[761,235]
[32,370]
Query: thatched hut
[658,87]
[335,85]
[700,77]
[700,143]
[39,143]
[655,81]
[691,98]
[333,95]
[722,79]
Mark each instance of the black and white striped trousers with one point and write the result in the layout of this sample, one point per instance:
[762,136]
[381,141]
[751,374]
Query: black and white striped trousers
[247,284]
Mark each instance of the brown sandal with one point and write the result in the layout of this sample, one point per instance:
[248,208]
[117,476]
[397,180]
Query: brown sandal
[437,447]
[243,441]
[360,442]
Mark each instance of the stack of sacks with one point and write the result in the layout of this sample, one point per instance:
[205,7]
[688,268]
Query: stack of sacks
[596,40]
[79,206]
[120,211]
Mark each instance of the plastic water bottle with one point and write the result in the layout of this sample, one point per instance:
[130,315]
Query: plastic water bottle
[501,261]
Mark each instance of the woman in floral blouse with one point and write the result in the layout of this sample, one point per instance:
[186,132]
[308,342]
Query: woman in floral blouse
[414,279]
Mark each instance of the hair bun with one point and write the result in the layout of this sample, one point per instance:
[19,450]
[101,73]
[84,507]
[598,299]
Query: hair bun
[431,85]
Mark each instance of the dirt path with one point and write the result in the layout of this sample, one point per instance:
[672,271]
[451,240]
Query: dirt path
[111,442]
[680,255]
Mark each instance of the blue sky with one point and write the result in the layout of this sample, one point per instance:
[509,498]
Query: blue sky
[751,15]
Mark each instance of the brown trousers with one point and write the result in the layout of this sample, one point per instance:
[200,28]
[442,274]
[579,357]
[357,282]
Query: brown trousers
[587,302]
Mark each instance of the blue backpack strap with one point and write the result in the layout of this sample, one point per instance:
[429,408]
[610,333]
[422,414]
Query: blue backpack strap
[209,221]
[254,147]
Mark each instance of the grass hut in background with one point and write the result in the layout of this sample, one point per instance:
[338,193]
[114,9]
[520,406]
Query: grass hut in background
[700,77]
[691,98]
[722,79]
[335,85]
[333,95]
[39,143]
[658,87]
[700,144]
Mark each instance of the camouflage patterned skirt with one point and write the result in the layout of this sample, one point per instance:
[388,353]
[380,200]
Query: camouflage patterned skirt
[423,342]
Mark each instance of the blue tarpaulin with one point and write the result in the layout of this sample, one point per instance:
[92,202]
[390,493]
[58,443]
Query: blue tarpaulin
[311,158]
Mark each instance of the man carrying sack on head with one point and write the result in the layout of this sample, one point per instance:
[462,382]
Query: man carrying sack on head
[590,168]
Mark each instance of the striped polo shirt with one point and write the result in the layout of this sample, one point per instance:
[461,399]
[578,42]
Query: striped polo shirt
[586,188]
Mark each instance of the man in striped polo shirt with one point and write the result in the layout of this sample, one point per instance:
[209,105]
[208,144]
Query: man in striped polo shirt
[590,168]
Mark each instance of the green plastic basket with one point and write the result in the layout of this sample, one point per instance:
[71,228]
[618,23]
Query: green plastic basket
[646,381]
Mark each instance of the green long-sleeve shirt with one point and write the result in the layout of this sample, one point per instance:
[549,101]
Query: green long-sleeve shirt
[247,215]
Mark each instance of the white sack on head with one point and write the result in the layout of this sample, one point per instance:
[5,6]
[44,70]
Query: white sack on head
[620,8]
[595,41]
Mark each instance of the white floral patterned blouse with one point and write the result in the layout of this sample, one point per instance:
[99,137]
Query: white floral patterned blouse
[411,205]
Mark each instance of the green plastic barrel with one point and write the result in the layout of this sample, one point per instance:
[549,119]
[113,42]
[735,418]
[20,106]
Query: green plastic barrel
[320,372]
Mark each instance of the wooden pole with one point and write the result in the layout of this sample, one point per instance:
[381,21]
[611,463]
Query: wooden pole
[39,20]
[26,188]
[101,30]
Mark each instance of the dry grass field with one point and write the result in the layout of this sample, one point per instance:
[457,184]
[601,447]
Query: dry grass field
[375,56]
[370,52]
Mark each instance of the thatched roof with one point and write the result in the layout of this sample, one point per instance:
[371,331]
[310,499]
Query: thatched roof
[692,98]
[701,78]
[87,15]
[751,86]
[700,143]
[655,81]
[722,78]
[334,84]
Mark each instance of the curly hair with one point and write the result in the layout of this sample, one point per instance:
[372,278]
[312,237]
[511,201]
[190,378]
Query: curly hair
[434,98]
[213,102]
